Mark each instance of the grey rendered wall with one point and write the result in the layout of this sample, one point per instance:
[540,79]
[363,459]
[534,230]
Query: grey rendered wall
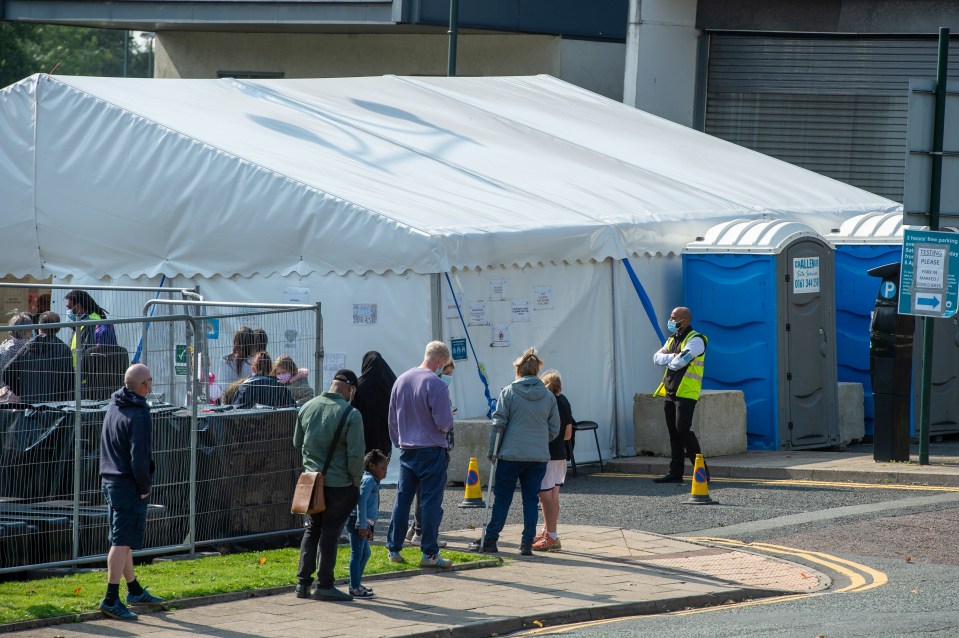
[596,66]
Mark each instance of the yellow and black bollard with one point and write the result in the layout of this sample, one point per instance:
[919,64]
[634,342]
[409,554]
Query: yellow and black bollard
[473,496]
[700,492]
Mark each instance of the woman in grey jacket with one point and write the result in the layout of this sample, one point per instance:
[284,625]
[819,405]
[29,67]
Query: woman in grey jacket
[527,419]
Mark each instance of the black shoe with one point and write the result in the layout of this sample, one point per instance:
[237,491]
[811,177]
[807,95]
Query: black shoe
[302,591]
[526,549]
[668,478]
[332,594]
[488,547]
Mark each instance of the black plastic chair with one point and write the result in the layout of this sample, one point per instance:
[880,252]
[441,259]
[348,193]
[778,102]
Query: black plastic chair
[583,426]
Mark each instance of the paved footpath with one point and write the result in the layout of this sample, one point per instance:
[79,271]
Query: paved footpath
[602,572]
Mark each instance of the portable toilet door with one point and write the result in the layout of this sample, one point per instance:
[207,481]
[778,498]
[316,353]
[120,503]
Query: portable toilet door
[762,292]
[808,330]
[861,243]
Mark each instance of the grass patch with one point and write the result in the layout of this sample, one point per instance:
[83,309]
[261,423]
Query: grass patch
[79,593]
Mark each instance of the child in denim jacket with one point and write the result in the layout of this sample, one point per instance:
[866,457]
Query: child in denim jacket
[363,520]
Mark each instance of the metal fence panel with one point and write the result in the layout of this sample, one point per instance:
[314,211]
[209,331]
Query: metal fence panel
[222,474]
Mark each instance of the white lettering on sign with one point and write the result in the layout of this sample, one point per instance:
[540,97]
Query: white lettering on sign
[805,274]
[930,267]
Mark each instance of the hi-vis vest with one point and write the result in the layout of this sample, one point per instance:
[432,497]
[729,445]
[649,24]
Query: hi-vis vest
[690,378]
[83,336]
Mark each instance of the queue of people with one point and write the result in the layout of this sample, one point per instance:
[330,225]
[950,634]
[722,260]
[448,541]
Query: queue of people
[39,368]
[412,413]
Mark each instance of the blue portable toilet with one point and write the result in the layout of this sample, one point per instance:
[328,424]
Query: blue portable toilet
[862,242]
[762,293]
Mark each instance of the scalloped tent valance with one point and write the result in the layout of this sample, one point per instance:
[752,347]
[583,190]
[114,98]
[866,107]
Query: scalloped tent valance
[108,177]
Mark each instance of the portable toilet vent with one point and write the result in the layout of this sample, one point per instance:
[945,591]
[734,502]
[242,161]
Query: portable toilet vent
[862,242]
[762,293]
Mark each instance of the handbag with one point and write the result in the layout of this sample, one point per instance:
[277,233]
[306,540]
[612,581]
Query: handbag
[308,497]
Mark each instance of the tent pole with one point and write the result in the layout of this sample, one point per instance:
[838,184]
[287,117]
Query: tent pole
[613,358]
[436,304]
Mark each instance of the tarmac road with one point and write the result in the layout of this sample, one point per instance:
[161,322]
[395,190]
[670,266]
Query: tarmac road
[900,538]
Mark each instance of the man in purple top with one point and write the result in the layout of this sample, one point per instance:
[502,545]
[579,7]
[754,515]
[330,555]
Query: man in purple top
[419,418]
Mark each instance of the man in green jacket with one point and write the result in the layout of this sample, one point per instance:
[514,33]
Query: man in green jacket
[316,427]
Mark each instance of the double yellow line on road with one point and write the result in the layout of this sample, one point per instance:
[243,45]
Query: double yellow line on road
[861,578]
[802,482]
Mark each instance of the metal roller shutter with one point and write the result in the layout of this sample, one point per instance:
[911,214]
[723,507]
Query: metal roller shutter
[835,105]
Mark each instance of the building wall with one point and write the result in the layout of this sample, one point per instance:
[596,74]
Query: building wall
[661,57]
[829,16]
[596,66]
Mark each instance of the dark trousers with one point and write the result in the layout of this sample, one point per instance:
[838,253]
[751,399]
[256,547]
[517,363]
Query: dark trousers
[422,470]
[530,476]
[323,534]
[682,442]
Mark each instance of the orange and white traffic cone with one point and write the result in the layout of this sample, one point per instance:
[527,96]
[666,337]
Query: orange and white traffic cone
[700,492]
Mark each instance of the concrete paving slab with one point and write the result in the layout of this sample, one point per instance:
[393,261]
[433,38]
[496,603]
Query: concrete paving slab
[629,572]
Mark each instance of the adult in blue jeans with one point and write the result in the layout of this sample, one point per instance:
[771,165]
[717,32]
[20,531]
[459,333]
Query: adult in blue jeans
[526,420]
[419,418]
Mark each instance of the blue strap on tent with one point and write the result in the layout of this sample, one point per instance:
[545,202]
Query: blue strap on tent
[489,399]
[136,357]
[644,298]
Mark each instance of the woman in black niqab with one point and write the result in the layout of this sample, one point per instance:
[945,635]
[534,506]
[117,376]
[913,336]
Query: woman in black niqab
[372,399]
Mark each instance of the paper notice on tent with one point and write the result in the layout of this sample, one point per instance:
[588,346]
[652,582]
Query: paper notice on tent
[289,340]
[543,297]
[332,361]
[296,295]
[500,336]
[212,328]
[458,348]
[520,310]
[478,316]
[452,312]
[364,314]
[497,288]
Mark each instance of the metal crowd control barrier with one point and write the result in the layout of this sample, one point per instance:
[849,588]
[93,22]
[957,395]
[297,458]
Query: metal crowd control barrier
[223,475]
[34,518]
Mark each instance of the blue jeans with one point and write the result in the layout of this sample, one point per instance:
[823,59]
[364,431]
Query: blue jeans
[359,553]
[422,469]
[530,475]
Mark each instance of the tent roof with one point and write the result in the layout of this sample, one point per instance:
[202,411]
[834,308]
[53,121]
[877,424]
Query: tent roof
[186,177]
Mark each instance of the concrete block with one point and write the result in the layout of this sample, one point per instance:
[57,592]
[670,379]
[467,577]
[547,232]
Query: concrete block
[471,439]
[852,418]
[719,423]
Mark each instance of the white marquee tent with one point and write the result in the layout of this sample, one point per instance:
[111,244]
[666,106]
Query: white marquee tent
[528,191]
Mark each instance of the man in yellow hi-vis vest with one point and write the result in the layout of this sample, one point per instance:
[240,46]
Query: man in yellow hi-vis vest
[684,356]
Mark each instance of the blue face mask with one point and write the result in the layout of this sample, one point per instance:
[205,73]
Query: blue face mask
[446,378]
[672,326]
[71,316]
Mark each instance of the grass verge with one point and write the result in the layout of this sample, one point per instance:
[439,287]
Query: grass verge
[81,592]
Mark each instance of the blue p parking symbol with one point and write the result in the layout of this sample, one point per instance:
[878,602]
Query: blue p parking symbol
[888,289]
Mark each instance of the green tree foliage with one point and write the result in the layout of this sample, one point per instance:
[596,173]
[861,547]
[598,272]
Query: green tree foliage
[15,63]
[26,49]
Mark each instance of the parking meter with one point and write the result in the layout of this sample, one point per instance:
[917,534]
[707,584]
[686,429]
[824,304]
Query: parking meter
[890,367]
